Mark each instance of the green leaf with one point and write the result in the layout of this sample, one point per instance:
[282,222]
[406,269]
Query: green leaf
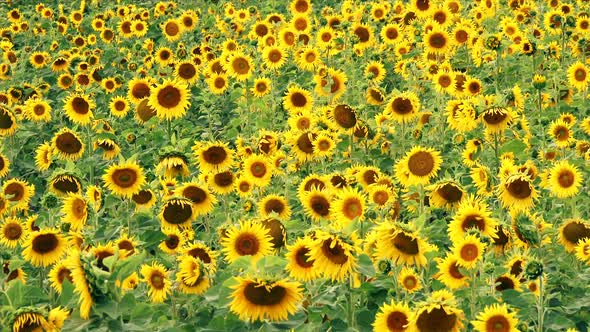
[365,265]
[128,266]
[67,292]
[271,264]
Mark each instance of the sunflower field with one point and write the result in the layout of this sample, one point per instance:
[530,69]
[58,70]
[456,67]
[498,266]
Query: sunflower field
[300,165]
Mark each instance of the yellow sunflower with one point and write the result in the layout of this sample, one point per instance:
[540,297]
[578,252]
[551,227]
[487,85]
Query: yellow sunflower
[297,100]
[450,274]
[472,213]
[496,317]
[572,232]
[469,251]
[300,266]
[58,274]
[67,145]
[446,194]
[192,276]
[12,232]
[517,192]
[63,184]
[37,110]
[75,211]
[578,76]
[44,247]
[265,299]
[392,317]
[176,212]
[349,205]
[565,179]
[203,201]
[437,316]
[124,179]
[29,321]
[119,106]
[250,238]
[79,108]
[418,166]
[4,165]
[274,204]
[401,246]
[409,280]
[240,66]
[561,132]
[170,99]
[317,204]
[403,107]
[213,157]
[18,193]
[258,169]
[334,256]
[159,284]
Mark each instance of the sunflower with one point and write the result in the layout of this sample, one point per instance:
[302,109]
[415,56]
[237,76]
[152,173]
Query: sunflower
[439,316]
[274,57]
[144,199]
[317,204]
[172,29]
[119,106]
[261,299]
[262,86]
[75,211]
[258,169]
[578,76]
[330,83]
[63,184]
[13,232]
[243,186]
[507,281]
[203,202]
[39,59]
[37,110]
[517,192]
[79,108]
[418,166]
[403,107]
[349,205]
[437,41]
[240,66]
[44,247]
[173,164]
[201,251]
[192,276]
[19,193]
[450,274]
[300,7]
[565,179]
[496,317]
[572,232]
[297,100]
[392,317]
[174,240]
[213,157]
[251,238]
[334,256]
[16,274]
[497,119]
[409,280]
[8,122]
[4,165]
[274,204]
[110,149]
[218,83]
[30,321]
[301,143]
[139,88]
[187,72]
[58,274]
[561,132]
[472,213]
[469,251]
[583,250]
[156,278]
[446,194]
[170,99]
[164,56]
[67,145]
[177,212]
[300,266]
[308,58]
[126,245]
[342,118]
[402,246]
[124,179]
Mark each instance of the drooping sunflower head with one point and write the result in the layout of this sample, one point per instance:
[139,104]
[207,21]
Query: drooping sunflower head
[176,212]
[446,194]
[124,179]
[75,211]
[401,246]
[29,319]
[572,231]
[260,299]
[335,255]
[68,145]
[277,232]
[64,184]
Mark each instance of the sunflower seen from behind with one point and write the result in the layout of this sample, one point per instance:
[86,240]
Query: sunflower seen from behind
[257,299]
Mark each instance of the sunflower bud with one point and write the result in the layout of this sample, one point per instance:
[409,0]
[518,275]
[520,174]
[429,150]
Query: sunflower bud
[50,201]
[534,269]
[539,82]
[384,266]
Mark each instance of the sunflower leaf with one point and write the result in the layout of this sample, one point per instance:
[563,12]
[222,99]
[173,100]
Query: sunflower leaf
[365,265]
[128,266]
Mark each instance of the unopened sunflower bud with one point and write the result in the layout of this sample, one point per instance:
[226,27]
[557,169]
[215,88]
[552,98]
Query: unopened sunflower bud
[534,269]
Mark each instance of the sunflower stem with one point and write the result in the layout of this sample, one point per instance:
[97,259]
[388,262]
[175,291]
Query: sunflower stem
[497,78]
[472,295]
[90,155]
[169,129]
[540,306]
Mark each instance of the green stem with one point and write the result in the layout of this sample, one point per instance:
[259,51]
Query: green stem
[540,306]
[90,154]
